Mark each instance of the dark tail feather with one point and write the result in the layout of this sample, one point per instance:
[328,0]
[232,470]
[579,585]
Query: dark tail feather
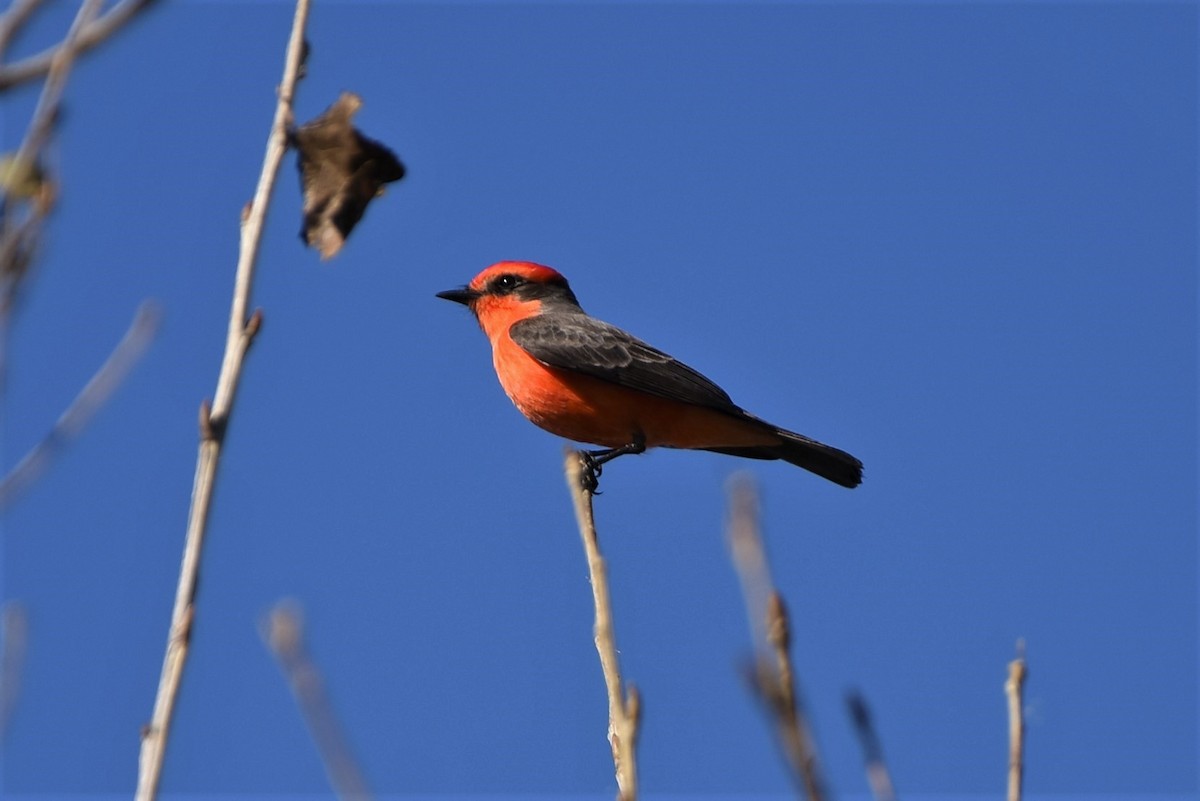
[824,460]
[816,457]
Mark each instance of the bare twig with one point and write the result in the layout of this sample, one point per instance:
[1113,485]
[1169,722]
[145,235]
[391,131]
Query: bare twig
[13,20]
[14,630]
[19,233]
[778,688]
[624,706]
[58,67]
[92,34]
[878,775]
[283,632]
[124,356]
[773,677]
[1013,688]
[749,555]
[214,422]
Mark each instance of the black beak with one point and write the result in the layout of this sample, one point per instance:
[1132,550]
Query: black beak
[463,295]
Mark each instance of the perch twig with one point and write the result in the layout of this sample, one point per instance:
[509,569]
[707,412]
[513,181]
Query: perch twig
[624,706]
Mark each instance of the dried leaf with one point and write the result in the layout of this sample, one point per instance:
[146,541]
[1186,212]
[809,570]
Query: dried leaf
[26,181]
[341,171]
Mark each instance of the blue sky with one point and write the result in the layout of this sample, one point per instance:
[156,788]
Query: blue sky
[956,240]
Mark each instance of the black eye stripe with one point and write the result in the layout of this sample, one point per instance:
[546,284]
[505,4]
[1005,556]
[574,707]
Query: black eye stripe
[506,284]
[525,289]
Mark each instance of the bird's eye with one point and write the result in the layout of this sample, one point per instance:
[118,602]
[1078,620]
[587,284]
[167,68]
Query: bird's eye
[505,284]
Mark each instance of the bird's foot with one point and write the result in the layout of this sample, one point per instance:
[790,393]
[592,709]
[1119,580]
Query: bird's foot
[593,461]
[589,476]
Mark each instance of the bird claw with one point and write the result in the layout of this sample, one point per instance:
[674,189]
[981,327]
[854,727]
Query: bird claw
[589,476]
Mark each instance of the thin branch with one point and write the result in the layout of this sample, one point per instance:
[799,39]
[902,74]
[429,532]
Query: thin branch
[58,67]
[96,392]
[283,633]
[749,555]
[19,234]
[773,677]
[878,775]
[214,423]
[14,20]
[776,684]
[14,633]
[624,706]
[92,34]
[1013,688]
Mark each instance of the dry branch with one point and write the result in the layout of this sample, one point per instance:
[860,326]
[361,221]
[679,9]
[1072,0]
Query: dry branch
[58,67]
[624,706]
[92,34]
[1013,689]
[214,422]
[14,634]
[13,20]
[124,356]
[878,775]
[283,632]
[772,677]
[23,209]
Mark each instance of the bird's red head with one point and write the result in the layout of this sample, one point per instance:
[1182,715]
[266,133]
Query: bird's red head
[524,270]
[512,290]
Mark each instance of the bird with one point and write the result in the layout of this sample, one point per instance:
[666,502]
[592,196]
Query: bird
[586,380]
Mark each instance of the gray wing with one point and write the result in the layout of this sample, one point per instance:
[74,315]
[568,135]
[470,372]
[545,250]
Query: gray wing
[571,341]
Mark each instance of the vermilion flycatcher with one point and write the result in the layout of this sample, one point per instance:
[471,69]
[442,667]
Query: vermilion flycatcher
[586,380]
